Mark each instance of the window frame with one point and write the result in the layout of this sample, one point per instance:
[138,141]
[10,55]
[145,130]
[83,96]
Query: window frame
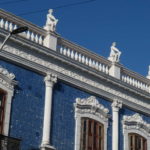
[96,137]
[7,84]
[135,124]
[89,108]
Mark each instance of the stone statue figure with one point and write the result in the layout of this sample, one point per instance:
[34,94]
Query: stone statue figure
[51,21]
[114,53]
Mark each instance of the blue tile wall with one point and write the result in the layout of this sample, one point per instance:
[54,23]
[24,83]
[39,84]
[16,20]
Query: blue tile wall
[27,106]
[128,112]
[63,122]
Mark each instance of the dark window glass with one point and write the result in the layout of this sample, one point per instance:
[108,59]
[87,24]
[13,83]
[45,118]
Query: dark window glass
[137,142]
[91,135]
[2,109]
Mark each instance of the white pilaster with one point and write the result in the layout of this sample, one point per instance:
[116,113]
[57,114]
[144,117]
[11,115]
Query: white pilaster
[50,80]
[116,105]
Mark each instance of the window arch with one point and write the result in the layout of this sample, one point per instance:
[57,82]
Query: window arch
[136,129]
[90,113]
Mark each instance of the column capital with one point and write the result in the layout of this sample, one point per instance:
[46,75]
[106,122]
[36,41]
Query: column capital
[50,79]
[116,105]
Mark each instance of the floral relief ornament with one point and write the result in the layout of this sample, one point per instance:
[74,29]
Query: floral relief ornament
[91,101]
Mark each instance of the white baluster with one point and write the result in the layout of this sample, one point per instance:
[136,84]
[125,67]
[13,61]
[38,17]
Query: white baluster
[65,51]
[100,67]
[32,36]
[86,61]
[122,77]
[133,81]
[36,38]
[141,85]
[40,40]
[107,70]
[125,78]
[10,27]
[68,52]
[103,68]
[2,23]
[93,63]
[76,56]
[6,25]
[138,84]
[15,27]
[130,80]
[90,62]
[80,57]
[72,54]
[96,65]
[28,34]
[61,49]
[83,59]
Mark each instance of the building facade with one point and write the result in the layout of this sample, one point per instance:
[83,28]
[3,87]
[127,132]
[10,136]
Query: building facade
[58,95]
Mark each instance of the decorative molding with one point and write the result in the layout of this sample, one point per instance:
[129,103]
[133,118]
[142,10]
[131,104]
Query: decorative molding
[80,78]
[135,124]
[6,78]
[50,78]
[116,105]
[90,108]
[92,103]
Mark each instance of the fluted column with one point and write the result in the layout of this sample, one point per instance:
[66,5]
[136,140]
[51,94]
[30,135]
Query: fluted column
[116,105]
[50,80]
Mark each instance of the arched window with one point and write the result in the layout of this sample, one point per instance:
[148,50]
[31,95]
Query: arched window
[91,120]
[7,84]
[137,142]
[2,109]
[92,135]
[136,133]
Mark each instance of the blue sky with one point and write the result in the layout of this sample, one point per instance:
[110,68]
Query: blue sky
[97,24]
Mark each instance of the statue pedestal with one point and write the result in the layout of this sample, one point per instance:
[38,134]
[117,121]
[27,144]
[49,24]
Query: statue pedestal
[50,41]
[114,71]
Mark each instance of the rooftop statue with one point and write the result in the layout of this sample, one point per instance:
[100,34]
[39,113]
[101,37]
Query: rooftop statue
[114,53]
[51,21]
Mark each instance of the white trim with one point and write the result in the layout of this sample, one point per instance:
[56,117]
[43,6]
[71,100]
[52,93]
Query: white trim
[49,80]
[89,108]
[7,84]
[135,124]
[116,105]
